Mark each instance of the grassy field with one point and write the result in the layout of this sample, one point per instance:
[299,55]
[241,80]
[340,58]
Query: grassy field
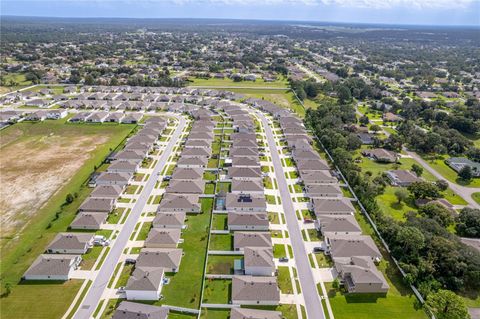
[29,300]
[184,289]
[16,77]
[387,201]
[221,242]
[40,226]
[215,314]
[440,166]
[259,83]
[284,280]
[476,197]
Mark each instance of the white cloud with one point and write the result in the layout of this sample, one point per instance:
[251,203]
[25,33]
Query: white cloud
[374,4]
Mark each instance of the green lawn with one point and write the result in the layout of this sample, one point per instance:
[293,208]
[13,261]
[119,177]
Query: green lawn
[273,218]
[218,264]
[219,221]
[142,235]
[124,275]
[476,197]
[270,199]
[215,313]
[110,308]
[279,251]
[43,299]
[367,306]
[284,280]
[440,166]
[89,259]
[185,286]
[209,189]
[217,291]
[19,251]
[259,83]
[221,242]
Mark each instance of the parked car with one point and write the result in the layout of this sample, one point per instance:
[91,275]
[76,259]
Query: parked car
[308,221]
[318,249]
[121,289]
[130,261]
[283,259]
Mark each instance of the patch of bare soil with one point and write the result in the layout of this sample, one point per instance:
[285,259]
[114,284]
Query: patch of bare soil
[33,169]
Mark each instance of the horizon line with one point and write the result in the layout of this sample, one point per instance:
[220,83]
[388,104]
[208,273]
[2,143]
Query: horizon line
[476,26]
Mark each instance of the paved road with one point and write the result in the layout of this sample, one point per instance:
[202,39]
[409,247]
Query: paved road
[305,274]
[464,192]
[95,292]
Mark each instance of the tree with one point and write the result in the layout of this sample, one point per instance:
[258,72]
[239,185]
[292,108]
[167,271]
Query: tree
[437,212]
[468,223]
[445,304]
[89,80]
[344,94]
[417,169]
[401,195]
[442,185]
[466,173]
[376,128]
[364,120]
[424,189]
[69,198]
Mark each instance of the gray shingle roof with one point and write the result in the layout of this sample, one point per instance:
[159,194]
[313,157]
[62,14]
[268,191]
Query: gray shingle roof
[163,236]
[251,239]
[258,257]
[145,278]
[159,257]
[52,265]
[250,288]
[245,313]
[70,241]
[133,310]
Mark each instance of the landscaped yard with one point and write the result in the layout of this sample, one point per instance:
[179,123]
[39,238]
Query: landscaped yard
[89,259]
[217,291]
[215,313]
[55,159]
[124,275]
[279,251]
[218,264]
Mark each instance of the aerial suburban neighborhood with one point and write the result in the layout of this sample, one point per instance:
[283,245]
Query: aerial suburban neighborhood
[238,169]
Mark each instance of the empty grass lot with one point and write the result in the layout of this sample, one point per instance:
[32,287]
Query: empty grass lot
[42,299]
[217,291]
[185,286]
[259,83]
[41,224]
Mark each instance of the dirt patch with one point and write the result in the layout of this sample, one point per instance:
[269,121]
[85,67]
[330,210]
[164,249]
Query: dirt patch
[33,169]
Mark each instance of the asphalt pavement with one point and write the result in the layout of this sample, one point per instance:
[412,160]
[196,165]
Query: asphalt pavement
[90,302]
[309,288]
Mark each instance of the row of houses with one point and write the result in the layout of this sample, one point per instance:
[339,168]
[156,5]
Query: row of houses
[160,253]
[354,255]
[129,310]
[107,117]
[254,282]
[63,254]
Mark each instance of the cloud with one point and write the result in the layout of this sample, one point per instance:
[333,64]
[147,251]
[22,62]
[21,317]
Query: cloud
[374,4]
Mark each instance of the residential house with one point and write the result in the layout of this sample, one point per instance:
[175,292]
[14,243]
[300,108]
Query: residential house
[458,163]
[246,313]
[95,204]
[107,191]
[244,173]
[402,177]
[317,177]
[346,246]
[169,220]
[52,267]
[109,178]
[187,173]
[192,162]
[187,203]
[255,290]
[186,186]
[338,225]
[251,239]
[134,310]
[258,261]
[167,258]
[145,283]
[245,203]
[248,221]
[253,186]
[163,238]
[330,206]
[380,155]
[118,166]
[87,220]
[322,191]
[70,243]
[360,275]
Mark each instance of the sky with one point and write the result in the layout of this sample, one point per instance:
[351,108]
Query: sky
[417,12]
